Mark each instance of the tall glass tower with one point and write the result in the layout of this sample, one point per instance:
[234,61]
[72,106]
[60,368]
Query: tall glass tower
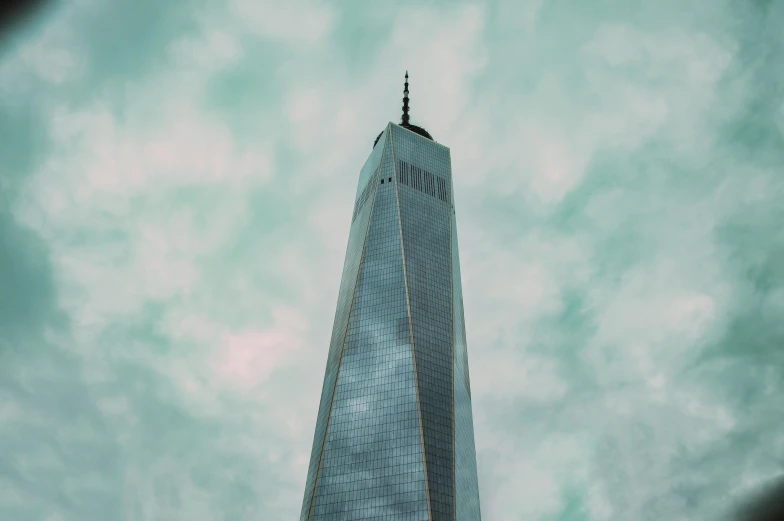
[394,436]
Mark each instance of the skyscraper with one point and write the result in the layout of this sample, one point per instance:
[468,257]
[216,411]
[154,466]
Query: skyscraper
[394,435]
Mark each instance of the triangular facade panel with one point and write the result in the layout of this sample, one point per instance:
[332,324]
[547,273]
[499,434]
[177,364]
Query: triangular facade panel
[356,243]
[371,466]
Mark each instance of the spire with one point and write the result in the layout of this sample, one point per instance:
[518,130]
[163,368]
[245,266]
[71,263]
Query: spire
[404,121]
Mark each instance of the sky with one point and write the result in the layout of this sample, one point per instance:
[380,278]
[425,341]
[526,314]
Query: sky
[176,189]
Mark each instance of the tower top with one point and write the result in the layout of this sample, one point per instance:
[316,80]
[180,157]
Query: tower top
[405,120]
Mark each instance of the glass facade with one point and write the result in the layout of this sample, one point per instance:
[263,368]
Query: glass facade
[394,436]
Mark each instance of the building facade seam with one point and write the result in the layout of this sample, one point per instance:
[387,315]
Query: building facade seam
[452,343]
[343,346]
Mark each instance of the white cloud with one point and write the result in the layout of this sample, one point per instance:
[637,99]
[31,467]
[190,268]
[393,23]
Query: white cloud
[180,148]
[517,375]
[304,105]
[293,23]
[553,164]
[212,51]
[51,58]
[533,471]
[245,359]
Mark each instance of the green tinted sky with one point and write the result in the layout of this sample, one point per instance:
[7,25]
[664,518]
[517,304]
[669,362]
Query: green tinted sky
[177,181]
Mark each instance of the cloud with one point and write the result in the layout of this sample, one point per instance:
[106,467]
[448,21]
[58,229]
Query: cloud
[296,24]
[136,206]
[248,357]
[50,58]
[178,208]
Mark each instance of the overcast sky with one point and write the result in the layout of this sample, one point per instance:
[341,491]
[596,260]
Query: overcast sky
[176,189]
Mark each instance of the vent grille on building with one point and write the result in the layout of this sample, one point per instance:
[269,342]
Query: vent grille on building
[423,181]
